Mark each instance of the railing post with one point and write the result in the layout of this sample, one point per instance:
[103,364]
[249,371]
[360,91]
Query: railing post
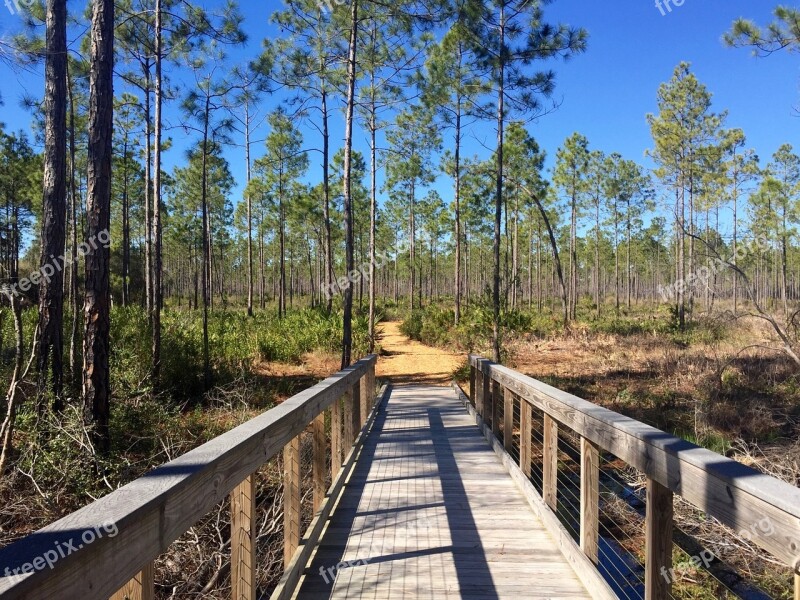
[291,499]
[550,462]
[140,587]
[319,467]
[367,390]
[336,437]
[525,432]
[352,397]
[590,498]
[486,383]
[495,412]
[508,419]
[658,542]
[472,375]
[479,387]
[243,540]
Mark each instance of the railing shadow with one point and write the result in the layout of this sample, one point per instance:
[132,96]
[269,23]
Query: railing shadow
[430,446]
[470,566]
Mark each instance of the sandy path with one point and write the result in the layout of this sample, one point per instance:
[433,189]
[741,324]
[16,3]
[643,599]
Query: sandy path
[406,361]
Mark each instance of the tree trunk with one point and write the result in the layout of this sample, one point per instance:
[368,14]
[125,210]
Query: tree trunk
[457,166]
[75,375]
[206,248]
[157,269]
[51,286]
[498,202]
[96,385]
[329,283]
[373,210]
[347,334]
[249,201]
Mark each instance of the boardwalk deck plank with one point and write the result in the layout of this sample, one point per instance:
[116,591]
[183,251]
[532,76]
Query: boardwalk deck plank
[430,512]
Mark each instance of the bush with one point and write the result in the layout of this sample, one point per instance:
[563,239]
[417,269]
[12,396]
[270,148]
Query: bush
[434,325]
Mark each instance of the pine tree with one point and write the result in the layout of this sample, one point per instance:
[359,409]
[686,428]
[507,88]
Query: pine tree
[572,163]
[512,36]
[279,169]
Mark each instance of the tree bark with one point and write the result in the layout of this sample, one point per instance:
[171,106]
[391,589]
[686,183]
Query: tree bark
[96,384]
[157,270]
[347,333]
[51,286]
[498,203]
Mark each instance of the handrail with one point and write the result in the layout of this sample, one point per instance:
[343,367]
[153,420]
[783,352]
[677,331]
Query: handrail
[77,557]
[737,495]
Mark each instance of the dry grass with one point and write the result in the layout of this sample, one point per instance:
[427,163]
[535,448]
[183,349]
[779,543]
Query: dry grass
[732,393]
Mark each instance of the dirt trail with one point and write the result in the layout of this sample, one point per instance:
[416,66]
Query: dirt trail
[405,361]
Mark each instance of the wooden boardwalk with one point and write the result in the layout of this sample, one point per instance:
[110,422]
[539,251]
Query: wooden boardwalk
[430,512]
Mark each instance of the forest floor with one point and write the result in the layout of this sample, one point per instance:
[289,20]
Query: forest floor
[733,387]
[403,360]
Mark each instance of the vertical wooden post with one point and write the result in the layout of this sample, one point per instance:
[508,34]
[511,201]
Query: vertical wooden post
[495,412]
[243,540]
[373,392]
[658,540]
[140,587]
[291,499]
[336,437]
[590,498]
[508,419]
[550,462]
[319,467]
[525,433]
[479,388]
[796,586]
[486,382]
[472,376]
[367,392]
[352,399]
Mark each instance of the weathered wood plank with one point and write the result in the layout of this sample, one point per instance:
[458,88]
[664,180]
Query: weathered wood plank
[590,499]
[153,511]
[352,417]
[448,522]
[472,375]
[291,499]
[243,540]
[525,437]
[508,419]
[367,393]
[337,444]
[584,568]
[494,412]
[292,574]
[141,587]
[733,493]
[658,542]
[319,462]
[550,462]
[479,389]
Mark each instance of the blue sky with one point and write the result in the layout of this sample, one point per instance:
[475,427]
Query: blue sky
[604,93]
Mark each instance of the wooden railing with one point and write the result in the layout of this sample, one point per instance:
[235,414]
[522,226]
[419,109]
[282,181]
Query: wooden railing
[736,495]
[107,549]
